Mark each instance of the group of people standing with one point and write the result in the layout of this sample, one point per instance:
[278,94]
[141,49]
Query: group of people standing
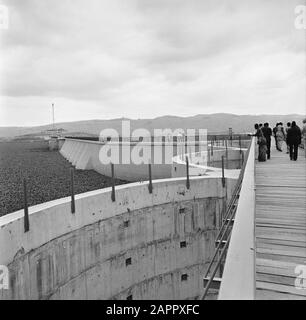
[292,136]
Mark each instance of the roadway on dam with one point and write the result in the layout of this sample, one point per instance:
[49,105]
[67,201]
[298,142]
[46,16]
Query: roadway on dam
[280,228]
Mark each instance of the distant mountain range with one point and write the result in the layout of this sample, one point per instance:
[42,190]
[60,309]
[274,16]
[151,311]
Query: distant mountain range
[214,123]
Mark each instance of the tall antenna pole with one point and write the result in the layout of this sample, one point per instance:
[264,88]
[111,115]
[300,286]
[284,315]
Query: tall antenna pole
[53,116]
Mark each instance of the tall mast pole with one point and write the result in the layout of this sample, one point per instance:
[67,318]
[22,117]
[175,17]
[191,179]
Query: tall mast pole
[53,116]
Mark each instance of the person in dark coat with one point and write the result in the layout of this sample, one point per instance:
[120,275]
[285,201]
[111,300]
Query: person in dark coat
[261,141]
[274,134]
[262,146]
[294,137]
[267,132]
[288,127]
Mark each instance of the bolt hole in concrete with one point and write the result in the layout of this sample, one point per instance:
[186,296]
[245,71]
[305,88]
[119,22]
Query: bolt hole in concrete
[128,261]
[183,244]
[126,223]
[184,277]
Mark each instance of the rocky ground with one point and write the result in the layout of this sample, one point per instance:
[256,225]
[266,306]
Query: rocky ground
[47,174]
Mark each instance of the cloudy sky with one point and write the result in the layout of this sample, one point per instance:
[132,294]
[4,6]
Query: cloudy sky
[146,58]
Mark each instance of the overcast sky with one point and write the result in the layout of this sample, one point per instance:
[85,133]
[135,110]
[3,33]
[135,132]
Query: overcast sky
[101,59]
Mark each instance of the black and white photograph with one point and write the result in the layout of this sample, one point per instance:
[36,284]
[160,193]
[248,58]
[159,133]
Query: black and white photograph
[152,150]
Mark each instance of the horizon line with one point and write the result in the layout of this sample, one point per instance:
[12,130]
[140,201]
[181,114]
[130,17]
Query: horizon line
[163,116]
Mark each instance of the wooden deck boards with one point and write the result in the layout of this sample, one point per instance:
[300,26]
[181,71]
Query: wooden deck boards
[280,225]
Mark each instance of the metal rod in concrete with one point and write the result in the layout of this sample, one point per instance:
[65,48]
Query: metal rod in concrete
[242,159]
[240,143]
[223,178]
[150,179]
[187,173]
[212,148]
[26,208]
[113,196]
[72,190]
[226,153]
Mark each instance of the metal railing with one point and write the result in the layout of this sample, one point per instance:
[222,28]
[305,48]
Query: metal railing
[224,234]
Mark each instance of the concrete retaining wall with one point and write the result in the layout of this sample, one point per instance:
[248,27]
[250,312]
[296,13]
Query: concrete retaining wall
[207,164]
[148,246]
[85,155]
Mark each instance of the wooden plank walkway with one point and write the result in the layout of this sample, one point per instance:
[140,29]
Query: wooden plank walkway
[280,225]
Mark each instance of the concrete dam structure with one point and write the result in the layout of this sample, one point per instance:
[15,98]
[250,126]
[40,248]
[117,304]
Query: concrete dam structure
[140,245]
[150,246]
[84,155]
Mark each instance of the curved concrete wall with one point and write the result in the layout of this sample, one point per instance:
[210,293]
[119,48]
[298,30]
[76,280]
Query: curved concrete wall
[150,246]
[85,155]
[208,164]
